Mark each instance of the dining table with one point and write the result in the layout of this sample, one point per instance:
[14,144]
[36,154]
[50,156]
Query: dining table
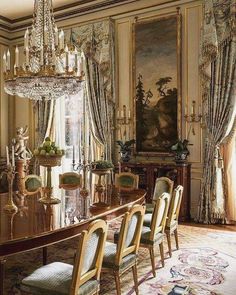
[35,225]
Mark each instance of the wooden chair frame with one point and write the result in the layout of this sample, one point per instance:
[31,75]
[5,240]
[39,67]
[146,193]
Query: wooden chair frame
[155,229]
[134,176]
[77,279]
[167,180]
[70,186]
[122,250]
[173,215]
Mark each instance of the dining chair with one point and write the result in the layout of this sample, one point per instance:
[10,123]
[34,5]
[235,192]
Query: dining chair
[120,257]
[155,233]
[82,278]
[162,185]
[70,180]
[173,216]
[126,181]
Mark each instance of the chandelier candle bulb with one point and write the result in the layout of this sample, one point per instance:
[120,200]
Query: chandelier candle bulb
[4,63]
[27,38]
[8,60]
[27,56]
[17,56]
[56,36]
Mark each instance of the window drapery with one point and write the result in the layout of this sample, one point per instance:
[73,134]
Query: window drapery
[218,77]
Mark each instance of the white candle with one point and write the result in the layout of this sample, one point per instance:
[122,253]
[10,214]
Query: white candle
[17,56]
[27,56]
[13,156]
[73,153]
[4,63]
[61,40]
[118,114]
[7,155]
[129,115]
[76,60]
[27,38]
[8,59]
[67,56]
[14,69]
[199,110]
[122,114]
[56,35]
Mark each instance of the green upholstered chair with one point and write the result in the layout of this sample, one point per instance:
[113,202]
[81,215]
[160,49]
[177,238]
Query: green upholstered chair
[126,181]
[173,216]
[82,278]
[155,233]
[32,184]
[70,180]
[162,185]
[120,257]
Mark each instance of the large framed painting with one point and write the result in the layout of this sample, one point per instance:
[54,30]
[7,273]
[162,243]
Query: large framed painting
[157,80]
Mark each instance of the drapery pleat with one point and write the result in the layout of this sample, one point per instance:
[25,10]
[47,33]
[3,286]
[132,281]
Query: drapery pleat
[218,75]
[44,114]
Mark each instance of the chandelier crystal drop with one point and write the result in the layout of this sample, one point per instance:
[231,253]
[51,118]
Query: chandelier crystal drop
[50,68]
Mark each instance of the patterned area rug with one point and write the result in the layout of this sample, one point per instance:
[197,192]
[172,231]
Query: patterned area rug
[205,263]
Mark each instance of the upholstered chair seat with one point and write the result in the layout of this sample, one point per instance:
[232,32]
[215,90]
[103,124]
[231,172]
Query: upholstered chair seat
[154,227]
[110,255]
[146,236]
[162,185]
[82,278]
[55,279]
[122,256]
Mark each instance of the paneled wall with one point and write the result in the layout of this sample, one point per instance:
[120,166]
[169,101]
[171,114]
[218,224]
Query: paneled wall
[21,110]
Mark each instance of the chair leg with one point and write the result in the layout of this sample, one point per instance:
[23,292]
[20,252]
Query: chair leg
[117,280]
[176,238]
[151,251]
[162,254]
[169,243]
[135,275]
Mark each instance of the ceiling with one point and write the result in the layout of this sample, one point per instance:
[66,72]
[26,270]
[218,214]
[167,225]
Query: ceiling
[13,9]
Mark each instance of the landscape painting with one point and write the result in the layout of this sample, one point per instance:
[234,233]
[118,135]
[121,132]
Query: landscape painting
[157,84]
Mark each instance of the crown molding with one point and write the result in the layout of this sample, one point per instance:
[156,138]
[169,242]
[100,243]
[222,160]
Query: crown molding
[62,12]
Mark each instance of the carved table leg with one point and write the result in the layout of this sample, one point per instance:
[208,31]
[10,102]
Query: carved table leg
[2,274]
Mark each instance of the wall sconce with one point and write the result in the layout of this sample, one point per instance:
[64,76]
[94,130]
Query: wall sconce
[193,117]
[123,121]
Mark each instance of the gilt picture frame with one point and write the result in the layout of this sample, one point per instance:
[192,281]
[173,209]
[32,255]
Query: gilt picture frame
[157,84]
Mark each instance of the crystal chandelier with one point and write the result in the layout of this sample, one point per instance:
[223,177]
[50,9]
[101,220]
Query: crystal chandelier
[51,68]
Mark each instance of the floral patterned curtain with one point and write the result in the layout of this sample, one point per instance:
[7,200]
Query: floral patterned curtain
[218,83]
[97,42]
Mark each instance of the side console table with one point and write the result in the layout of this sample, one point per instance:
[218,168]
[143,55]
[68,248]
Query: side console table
[179,173]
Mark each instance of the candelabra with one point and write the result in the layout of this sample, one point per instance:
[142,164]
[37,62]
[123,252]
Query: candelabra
[193,117]
[10,172]
[84,166]
[123,122]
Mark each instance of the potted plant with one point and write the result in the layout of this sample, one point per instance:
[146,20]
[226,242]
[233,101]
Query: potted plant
[180,150]
[102,165]
[125,149]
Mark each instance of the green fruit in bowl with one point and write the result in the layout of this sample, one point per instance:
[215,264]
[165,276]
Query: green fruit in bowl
[36,152]
[42,153]
[59,152]
[47,143]
[47,139]
[48,149]
[52,153]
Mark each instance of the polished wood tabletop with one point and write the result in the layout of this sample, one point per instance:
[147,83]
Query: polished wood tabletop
[36,225]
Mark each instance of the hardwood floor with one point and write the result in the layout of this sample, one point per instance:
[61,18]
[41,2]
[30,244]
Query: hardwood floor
[225,227]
